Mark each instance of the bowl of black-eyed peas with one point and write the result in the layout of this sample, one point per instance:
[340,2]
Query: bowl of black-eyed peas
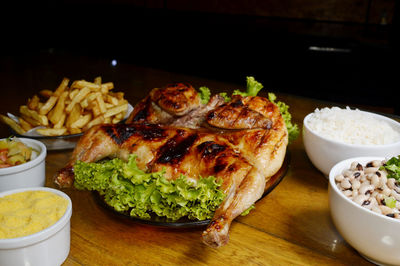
[364,201]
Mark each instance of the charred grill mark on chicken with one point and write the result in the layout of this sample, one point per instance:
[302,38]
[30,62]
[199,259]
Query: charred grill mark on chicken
[210,149]
[143,113]
[120,133]
[175,149]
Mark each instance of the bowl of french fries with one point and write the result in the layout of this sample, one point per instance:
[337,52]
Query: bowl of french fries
[59,117]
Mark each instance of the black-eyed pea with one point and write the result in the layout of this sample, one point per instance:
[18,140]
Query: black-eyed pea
[380,198]
[347,173]
[385,209]
[353,166]
[368,176]
[354,193]
[339,178]
[356,184]
[375,181]
[357,175]
[376,209]
[360,199]
[376,163]
[367,204]
[373,202]
[383,179]
[345,183]
[395,195]
[391,183]
[348,193]
[386,191]
[366,189]
[371,170]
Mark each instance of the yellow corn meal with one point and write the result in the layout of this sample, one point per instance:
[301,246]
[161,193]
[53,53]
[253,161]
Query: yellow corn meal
[29,212]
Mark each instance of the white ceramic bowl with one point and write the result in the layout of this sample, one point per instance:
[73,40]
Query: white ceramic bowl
[375,236]
[324,153]
[48,247]
[29,174]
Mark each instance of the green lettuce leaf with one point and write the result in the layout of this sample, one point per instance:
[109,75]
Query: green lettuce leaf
[253,88]
[392,167]
[225,96]
[246,212]
[128,189]
[204,94]
[293,129]
[390,202]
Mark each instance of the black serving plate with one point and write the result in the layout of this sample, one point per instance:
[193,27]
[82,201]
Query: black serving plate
[185,222]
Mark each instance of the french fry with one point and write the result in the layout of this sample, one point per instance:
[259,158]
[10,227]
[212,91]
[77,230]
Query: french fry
[48,105]
[75,130]
[105,87]
[42,119]
[30,120]
[95,108]
[46,93]
[97,80]
[111,99]
[61,121]
[82,121]
[73,116]
[56,114]
[63,85]
[73,93]
[120,115]
[33,103]
[96,121]
[51,131]
[24,124]
[91,96]
[80,84]
[116,120]
[118,95]
[84,103]
[79,97]
[14,125]
[115,110]
[109,105]
[100,102]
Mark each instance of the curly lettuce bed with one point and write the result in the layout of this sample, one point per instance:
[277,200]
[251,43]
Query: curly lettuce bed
[126,188]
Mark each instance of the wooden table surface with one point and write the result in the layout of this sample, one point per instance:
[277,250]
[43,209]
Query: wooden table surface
[290,226]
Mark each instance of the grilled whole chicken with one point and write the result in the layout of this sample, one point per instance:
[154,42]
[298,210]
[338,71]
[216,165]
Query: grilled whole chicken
[243,142]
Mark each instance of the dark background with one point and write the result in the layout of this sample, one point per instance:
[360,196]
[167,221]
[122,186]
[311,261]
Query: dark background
[343,51]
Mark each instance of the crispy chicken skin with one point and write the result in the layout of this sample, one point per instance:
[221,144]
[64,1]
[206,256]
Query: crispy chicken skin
[176,99]
[237,115]
[243,142]
[163,105]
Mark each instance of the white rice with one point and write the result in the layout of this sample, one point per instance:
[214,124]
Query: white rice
[352,127]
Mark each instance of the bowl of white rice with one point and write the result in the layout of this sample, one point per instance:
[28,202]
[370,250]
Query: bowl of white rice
[331,135]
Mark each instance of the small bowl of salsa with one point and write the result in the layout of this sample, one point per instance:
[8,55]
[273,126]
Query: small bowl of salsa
[22,163]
